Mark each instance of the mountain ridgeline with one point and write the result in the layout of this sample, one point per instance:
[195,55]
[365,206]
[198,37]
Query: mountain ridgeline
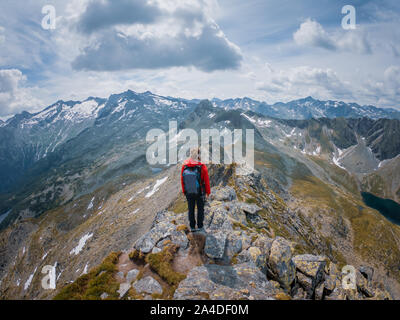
[76,173]
[48,158]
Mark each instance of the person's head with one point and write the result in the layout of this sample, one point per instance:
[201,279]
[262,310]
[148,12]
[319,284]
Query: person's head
[195,154]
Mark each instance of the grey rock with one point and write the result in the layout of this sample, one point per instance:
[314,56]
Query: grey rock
[104,295]
[123,289]
[257,221]
[253,255]
[120,275]
[131,275]
[215,245]
[319,291]
[217,219]
[223,194]
[312,267]
[160,231]
[264,243]
[147,285]
[180,239]
[243,257]
[280,266]
[156,250]
[367,272]
[214,282]
[250,208]
[332,278]
[234,210]
[300,294]
[234,244]
[306,284]
[330,283]
[363,285]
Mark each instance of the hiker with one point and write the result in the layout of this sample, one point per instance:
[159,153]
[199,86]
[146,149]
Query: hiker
[195,186]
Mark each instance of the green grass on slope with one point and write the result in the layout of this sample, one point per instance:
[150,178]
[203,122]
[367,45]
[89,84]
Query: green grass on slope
[374,239]
[91,285]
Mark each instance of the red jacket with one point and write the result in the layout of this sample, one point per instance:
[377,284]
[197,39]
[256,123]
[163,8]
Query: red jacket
[204,174]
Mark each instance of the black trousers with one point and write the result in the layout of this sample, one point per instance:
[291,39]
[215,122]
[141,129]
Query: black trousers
[192,201]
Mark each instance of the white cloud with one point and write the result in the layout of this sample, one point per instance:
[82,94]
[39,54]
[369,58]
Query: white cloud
[331,73]
[304,81]
[13,97]
[312,34]
[387,91]
[154,37]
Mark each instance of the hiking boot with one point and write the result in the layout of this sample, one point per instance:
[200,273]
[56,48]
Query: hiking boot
[201,230]
[193,230]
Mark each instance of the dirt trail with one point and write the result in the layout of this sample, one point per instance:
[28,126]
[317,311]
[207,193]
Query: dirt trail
[195,255]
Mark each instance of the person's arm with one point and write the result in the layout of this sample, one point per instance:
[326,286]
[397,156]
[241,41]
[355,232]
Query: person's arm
[206,179]
[183,185]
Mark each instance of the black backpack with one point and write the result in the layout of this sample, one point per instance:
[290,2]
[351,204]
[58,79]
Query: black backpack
[192,180]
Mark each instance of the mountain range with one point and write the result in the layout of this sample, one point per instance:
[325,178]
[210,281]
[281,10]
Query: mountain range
[73,173]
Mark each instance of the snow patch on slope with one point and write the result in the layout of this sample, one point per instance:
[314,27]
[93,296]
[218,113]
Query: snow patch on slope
[156,187]
[81,244]
[29,281]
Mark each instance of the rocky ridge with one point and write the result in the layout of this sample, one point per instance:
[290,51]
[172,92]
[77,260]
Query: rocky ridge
[238,257]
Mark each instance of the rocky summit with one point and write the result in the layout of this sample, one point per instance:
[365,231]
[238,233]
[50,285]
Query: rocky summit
[238,256]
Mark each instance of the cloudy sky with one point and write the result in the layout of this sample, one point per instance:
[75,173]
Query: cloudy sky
[265,49]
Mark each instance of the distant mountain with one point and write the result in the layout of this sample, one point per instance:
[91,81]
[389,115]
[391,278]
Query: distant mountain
[27,138]
[308,108]
[95,194]
[73,147]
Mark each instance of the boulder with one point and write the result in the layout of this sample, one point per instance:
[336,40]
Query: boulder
[330,283]
[131,275]
[311,271]
[156,250]
[147,285]
[254,256]
[257,221]
[123,289]
[319,291]
[363,285]
[216,282]
[160,231]
[264,243]
[250,208]
[179,238]
[234,210]
[367,272]
[218,220]
[234,245]
[332,278]
[306,284]
[215,245]
[300,294]
[310,265]
[223,194]
[280,266]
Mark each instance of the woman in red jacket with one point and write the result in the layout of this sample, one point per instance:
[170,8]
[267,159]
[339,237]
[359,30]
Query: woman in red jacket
[193,170]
